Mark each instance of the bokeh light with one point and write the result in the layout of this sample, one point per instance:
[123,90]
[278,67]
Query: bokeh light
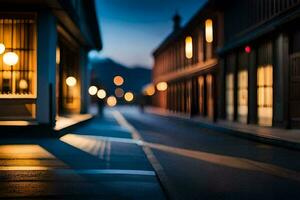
[2,48]
[111,101]
[128,96]
[93,90]
[23,84]
[118,80]
[101,94]
[162,86]
[149,90]
[71,81]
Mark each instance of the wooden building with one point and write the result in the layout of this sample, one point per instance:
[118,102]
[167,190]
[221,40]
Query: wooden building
[43,53]
[187,63]
[247,72]
[260,76]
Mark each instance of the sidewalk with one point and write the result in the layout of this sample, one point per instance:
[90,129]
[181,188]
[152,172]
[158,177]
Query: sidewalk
[282,137]
[98,160]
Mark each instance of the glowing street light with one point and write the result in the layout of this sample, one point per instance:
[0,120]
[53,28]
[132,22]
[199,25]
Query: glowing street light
[93,90]
[111,101]
[2,48]
[101,94]
[71,81]
[128,96]
[162,86]
[118,80]
[10,58]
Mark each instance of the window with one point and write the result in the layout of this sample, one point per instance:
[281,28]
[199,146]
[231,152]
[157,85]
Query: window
[210,95]
[18,60]
[230,96]
[189,47]
[201,94]
[242,96]
[265,95]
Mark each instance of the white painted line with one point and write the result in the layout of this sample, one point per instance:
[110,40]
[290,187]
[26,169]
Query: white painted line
[172,193]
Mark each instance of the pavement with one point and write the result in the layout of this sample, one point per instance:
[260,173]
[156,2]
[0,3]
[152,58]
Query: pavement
[289,138]
[197,162]
[98,160]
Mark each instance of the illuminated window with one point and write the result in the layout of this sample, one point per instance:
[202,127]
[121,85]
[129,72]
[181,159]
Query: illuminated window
[209,31]
[210,95]
[189,47]
[265,95]
[230,96]
[201,94]
[242,96]
[18,61]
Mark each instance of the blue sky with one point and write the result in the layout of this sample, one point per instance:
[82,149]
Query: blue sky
[132,29]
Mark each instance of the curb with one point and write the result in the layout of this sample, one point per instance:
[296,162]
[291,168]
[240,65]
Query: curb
[242,134]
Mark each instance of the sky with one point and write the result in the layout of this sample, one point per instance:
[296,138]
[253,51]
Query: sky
[132,29]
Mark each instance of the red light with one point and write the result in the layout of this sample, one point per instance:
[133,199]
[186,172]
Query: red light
[247,49]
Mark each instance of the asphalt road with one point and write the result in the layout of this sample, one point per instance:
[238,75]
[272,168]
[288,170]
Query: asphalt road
[201,163]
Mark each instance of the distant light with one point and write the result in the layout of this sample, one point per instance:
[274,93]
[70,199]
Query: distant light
[119,92]
[93,90]
[162,86]
[118,80]
[57,55]
[209,32]
[2,48]
[71,81]
[23,84]
[248,49]
[101,94]
[10,58]
[189,47]
[111,101]
[6,75]
[128,96]
[150,90]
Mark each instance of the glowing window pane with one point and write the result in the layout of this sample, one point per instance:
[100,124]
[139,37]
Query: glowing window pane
[189,47]
[209,31]
[265,95]
[230,96]
[242,96]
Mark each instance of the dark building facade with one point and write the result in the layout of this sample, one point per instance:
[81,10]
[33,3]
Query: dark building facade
[250,72]
[261,69]
[188,63]
[43,53]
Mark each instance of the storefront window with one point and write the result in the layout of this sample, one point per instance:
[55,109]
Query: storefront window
[18,66]
[265,95]
[230,96]
[18,60]
[242,96]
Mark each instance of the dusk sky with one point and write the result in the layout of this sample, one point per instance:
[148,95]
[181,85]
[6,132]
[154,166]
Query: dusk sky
[132,29]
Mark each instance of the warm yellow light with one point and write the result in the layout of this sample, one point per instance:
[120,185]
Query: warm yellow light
[23,84]
[101,94]
[71,81]
[188,47]
[209,31]
[118,80]
[2,48]
[57,55]
[6,75]
[162,86]
[150,90]
[93,90]
[128,96]
[111,101]
[119,92]
[10,58]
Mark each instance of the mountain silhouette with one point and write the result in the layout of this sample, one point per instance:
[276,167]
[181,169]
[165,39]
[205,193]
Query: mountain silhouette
[104,70]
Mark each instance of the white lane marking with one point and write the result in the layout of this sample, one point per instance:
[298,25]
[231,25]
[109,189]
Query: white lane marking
[109,172]
[172,193]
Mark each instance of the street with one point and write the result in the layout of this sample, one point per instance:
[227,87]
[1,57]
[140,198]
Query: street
[128,154]
[204,164]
